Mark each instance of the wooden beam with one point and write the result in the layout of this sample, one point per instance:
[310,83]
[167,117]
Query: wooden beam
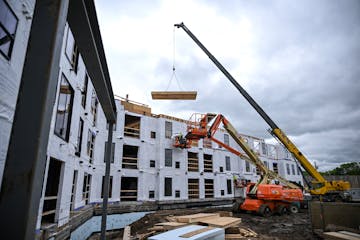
[174,95]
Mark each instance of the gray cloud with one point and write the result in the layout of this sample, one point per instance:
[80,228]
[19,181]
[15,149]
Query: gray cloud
[307,75]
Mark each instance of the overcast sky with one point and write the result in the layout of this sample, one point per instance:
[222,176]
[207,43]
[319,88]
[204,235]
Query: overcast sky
[300,60]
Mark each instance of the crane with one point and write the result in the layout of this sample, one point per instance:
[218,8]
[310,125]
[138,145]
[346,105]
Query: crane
[319,187]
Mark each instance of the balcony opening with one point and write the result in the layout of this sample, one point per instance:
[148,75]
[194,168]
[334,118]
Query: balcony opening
[209,188]
[193,162]
[51,192]
[208,163]
[132,126]
[193,188]
[130,157]
[129,188]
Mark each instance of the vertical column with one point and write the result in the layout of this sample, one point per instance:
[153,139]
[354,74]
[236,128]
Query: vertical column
[26,156]
[106,181]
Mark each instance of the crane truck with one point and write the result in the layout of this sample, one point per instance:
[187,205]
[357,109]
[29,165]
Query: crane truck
[262,197]
[319,187]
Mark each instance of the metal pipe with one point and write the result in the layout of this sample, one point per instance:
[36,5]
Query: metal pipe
[108,152]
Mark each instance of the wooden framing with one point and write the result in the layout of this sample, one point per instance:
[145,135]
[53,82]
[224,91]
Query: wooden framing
[193,188]
[173,95]
[208,163]
[129,189]
[209,188]
[193,162]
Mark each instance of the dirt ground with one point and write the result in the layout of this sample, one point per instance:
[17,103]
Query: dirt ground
[293,226]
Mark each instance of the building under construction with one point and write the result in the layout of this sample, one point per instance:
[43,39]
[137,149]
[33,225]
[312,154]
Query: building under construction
[145,167]
[144,164]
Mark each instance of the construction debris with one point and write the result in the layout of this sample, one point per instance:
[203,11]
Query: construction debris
[222,220]
[345,235]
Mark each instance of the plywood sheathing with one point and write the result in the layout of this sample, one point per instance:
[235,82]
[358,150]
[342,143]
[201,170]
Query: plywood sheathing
[171,225]
[221,222]
[196,232]
[136,108]
[174,95]
[193,218]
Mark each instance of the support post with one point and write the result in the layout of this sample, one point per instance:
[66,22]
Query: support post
[26,156]
[106,181]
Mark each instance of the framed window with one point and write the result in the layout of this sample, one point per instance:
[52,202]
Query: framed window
[168,129]
[293,169]
[227,163]
[168,187]
[84,91]
[221,169]
[64,109]
[152,163]
[229,186]
[177,164]
[177,193]
[168,157]
[112,152]
[8,26]
[226,139]
[275,167]
[266,164]
[79,138]
[94,104]
[287,169]
[222,192]
[247,166]
[110,187]
[153,134]
[151,194]
[264,148]
[90,145]
[71,51]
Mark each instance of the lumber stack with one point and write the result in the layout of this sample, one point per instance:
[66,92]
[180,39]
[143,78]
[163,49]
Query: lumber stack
[211,220]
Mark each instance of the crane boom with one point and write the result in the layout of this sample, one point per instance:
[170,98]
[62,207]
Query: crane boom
[320,186]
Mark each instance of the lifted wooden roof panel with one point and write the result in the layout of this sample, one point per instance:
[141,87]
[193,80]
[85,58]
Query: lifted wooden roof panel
[174,95]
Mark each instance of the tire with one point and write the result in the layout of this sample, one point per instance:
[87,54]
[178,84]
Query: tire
[265,211]
[236,207]
[282,210]
[294,209]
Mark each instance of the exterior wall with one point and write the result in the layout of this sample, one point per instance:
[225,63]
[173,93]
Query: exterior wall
[10,73]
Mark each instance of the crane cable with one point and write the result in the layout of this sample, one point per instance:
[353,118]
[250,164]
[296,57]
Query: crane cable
[173,66]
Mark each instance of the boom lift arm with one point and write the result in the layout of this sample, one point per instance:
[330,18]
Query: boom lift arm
[201,130]
[320,186]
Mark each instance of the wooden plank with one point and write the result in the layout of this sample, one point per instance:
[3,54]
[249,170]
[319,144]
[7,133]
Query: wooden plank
[233,236]
[156,228]
[173,95]
[170,225]
[339,236]
[126,235]
[196,217]
[222,222]
[196,232]
[225,214]
[144,235]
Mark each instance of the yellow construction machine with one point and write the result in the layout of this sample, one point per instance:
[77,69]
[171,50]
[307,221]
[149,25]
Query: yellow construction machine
[319,187]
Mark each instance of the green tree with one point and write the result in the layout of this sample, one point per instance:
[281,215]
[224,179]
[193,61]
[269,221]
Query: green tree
[352,168]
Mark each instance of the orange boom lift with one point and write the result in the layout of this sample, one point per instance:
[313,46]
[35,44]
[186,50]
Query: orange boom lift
[263,198]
